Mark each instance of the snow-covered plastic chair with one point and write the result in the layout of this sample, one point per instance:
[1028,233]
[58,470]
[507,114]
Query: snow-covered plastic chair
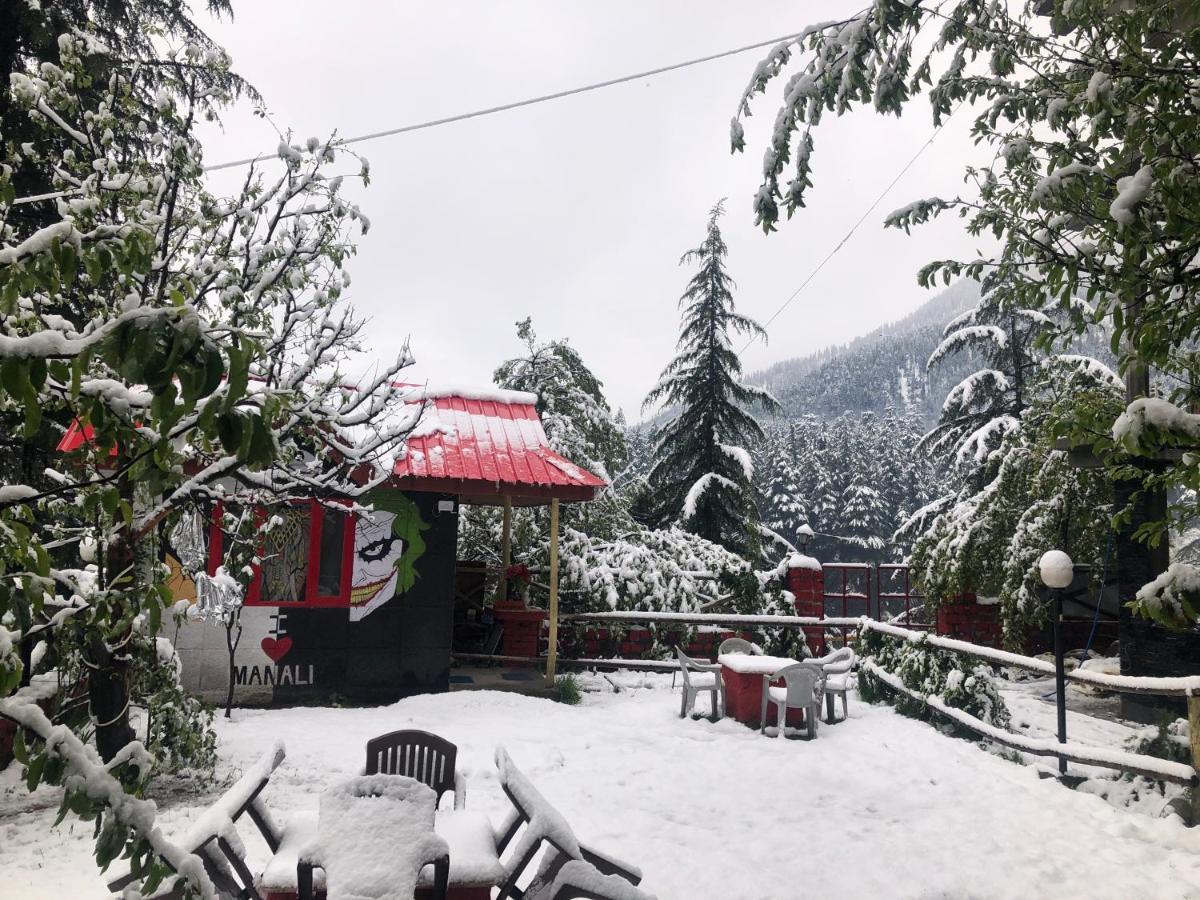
[578,880]
[837,667]
[699,677]
[421,755]
[543,824]
[375,834]
[210,835]
[801,689]
[738,645]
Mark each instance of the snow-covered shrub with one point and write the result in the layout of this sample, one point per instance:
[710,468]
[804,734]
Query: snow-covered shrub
[567,690]
[930,670]
[178,725]
[1168,740]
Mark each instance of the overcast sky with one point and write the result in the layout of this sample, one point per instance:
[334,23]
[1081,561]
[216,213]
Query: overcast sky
[576,211]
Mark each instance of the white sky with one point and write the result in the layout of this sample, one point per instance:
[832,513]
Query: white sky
[576,211]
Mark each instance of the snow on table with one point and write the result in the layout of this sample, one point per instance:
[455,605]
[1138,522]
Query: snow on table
[746,664]
[905,812]
[374,835]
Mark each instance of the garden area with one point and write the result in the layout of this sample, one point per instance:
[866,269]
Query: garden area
[878,805]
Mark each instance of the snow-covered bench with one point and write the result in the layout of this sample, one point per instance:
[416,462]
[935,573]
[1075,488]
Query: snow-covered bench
[544,825]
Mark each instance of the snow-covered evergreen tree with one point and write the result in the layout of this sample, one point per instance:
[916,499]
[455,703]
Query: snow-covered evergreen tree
[702,474]
[853,480]
[986,405]
[989,539]
[578,421]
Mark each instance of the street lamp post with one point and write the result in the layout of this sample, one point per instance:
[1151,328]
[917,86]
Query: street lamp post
[1057,573]
[804,534]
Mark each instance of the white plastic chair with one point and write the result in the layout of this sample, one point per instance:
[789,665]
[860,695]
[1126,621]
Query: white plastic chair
[801,689]
[738,645]
[697,678]
[837,667]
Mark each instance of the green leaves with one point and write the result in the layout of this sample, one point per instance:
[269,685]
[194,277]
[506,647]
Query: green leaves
[22,380]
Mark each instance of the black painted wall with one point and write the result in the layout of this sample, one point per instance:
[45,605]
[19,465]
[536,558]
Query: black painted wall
[399,649]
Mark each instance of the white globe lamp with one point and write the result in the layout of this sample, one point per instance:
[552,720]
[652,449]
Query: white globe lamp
[1057,570]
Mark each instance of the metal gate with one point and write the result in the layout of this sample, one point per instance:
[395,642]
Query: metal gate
[882,591]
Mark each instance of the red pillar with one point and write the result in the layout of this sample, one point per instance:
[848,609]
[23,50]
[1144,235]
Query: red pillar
[806,581]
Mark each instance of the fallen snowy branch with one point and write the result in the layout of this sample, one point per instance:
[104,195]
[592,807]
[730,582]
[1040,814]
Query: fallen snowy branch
[1133,763]
[87,774]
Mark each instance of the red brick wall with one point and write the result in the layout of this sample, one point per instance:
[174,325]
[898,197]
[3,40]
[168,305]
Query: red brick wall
[966,620]
[637,643]
[808,586]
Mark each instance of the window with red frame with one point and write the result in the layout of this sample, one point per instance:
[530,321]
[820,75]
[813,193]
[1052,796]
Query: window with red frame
[306,556]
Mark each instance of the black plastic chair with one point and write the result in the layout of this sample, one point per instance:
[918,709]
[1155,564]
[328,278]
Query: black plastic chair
[418,754]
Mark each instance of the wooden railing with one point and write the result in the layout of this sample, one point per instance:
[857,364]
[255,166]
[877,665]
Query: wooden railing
[1133,763]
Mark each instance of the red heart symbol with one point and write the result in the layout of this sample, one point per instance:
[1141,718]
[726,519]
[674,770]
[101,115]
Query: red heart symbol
[276,649]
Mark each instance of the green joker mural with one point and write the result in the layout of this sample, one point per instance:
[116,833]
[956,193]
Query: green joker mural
[387,546]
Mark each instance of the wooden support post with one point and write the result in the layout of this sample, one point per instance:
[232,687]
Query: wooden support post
[552,654]
[1193,706]
[505,550]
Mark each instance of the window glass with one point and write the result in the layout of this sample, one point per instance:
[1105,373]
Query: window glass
[329,575]
[285,556]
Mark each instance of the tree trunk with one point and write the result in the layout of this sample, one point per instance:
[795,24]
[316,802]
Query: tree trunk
[231,641]
[108,697]
[108,676]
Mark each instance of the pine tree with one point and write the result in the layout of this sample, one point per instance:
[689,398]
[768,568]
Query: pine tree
[702,473]
[986,405]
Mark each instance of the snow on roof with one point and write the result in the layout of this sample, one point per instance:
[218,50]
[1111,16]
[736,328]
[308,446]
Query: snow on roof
[483,444]
[416,392]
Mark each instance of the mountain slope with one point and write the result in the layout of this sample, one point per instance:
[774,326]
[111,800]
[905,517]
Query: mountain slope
[883,369]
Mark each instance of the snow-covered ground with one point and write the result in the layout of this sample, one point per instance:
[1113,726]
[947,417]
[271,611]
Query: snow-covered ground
[878,806]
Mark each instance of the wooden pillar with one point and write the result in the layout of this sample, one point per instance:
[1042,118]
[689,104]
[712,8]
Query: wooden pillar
[1193,708]
[552,654]
[505,550]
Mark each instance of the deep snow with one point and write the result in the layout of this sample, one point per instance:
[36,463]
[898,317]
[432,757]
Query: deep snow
[878,806]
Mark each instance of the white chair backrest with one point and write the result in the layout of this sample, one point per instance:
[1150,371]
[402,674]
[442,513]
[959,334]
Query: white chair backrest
[839,663]
[802,682]
[738,645]
[687,665]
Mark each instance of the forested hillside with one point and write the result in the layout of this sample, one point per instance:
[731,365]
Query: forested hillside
[883,369]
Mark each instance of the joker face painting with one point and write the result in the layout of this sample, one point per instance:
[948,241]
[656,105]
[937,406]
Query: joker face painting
[377,550]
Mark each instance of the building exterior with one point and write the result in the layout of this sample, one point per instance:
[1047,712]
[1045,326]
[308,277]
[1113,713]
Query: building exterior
[362,607]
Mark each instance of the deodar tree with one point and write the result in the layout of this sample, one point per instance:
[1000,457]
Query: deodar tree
[1093,192]
[570,401]
[703,475]
[201,344]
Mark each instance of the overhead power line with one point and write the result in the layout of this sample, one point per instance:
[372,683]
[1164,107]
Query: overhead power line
[491,110]
[828,256]
[517,104]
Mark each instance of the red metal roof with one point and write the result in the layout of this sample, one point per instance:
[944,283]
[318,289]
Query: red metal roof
[75,437]
[486,445]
